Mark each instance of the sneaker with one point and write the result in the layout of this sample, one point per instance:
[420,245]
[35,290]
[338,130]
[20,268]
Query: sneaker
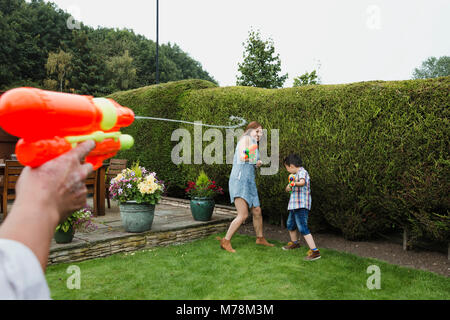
[312,255]
[291,245]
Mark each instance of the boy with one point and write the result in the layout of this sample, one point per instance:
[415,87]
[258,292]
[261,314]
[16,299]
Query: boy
[299,206]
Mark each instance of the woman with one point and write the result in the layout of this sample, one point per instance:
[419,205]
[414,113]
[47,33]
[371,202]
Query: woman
[242,186]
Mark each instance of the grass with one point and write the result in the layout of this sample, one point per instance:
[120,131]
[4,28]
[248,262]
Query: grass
[200,270]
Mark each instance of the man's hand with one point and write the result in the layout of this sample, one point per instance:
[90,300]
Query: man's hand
[46,196]
[58,184]
[259,163]
[288,188]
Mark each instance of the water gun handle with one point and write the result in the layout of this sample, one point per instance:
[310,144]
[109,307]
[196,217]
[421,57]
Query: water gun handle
[36,153]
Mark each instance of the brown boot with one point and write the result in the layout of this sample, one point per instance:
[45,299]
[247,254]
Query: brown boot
[226,244]
[263,241]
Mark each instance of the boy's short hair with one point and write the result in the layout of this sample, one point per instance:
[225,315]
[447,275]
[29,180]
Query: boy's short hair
[293,159]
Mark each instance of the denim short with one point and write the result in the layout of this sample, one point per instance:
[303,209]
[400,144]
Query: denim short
[298,218]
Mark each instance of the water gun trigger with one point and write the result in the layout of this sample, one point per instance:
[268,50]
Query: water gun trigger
[107,145]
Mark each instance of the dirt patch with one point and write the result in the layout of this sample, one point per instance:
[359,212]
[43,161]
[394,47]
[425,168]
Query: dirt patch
[380,249]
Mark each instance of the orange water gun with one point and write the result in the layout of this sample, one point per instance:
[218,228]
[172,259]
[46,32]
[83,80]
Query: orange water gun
[51,123]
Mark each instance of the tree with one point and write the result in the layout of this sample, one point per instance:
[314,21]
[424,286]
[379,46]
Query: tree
[433,68]
[89,68]
[188,67]
[306,79]
[122,71]
[31,30]
[261,67]
[59,64]
[28,32]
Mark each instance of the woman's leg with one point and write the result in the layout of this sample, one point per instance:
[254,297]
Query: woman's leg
[258,225]
[242,214]
[257,221]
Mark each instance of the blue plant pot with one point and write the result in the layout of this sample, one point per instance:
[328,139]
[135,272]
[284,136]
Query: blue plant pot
[202,208]
[137,217]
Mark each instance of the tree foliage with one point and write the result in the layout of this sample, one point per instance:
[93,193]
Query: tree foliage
[306,79]
[32,32]
[432,68]
[261,67]
[59,64]
[122,71]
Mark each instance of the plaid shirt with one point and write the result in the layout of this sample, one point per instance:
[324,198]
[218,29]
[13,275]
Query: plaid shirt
[301,196]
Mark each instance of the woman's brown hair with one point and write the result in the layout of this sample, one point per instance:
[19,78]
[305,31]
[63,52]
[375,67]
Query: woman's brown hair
[253,125]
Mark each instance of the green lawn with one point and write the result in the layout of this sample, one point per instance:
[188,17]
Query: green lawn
[200,270]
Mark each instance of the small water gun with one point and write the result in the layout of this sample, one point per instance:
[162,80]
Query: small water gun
[51,123]
[292,181]
[250,152]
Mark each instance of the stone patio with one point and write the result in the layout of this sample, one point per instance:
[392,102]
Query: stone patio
[173,224]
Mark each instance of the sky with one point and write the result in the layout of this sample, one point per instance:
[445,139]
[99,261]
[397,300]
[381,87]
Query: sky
[345,40]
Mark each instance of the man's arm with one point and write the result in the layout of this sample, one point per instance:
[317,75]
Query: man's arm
[45,196]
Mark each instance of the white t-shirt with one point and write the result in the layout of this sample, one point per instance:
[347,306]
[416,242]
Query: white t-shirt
[21,275]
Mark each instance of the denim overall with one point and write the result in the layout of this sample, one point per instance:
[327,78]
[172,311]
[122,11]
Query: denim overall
[242,178]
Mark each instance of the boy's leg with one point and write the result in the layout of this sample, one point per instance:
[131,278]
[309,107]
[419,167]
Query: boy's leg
[293,234]
[291,226]
[302,221]
[301,218]
[310,241]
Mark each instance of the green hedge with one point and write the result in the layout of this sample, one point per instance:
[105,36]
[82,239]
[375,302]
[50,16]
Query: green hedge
[152,147]
[377,152]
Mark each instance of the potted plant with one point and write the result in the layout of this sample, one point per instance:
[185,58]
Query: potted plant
[80,220]
[137,191]
[202,194]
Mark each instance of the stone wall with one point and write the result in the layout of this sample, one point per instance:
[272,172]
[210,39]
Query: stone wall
[176,202]
[141,241]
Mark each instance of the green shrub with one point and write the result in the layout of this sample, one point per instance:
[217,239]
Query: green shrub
[377,152]
[152,147]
